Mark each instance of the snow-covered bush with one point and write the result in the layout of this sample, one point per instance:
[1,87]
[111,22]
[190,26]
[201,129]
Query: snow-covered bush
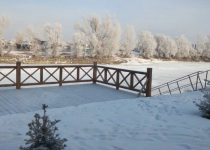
[204,106]
[42,135]
[146,44]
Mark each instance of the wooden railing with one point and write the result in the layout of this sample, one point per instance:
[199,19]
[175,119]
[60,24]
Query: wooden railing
[44,74]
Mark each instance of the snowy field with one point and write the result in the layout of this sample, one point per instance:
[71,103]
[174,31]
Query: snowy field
[158,123]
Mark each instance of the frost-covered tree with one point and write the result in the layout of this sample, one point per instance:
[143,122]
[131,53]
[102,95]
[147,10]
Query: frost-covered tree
[78,44]
[147,44]
[19,37]
[129,40]
[4,24]
[183,46]
[42,134]
[204,106]
[53,33]
[201,43]
[102,36]
[32,36]
[206,51]
[166,47]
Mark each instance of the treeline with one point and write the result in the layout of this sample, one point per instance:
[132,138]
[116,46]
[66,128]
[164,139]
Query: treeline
[104,37]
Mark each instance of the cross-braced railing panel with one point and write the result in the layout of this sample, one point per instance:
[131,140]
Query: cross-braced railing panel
[69,74]
[7,76]
[58,74]
[139,80]
[50,75]
[85,73]
[124,79]
[101,74]
[30,75]
[112,76]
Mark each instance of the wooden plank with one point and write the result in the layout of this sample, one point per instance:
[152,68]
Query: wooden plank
[7,85]
[126,70]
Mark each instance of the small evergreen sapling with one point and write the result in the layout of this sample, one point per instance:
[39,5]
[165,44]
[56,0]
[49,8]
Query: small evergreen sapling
[42,135]
[204,106]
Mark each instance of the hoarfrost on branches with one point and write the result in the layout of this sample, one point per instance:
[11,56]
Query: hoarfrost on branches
[147,44]
[129,41]
[53,33]
[166,47]
[4,23]
[102,36]
[78,44]
[183,46]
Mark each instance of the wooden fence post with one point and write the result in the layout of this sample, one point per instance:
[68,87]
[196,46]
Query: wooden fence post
[131,81]
[105,75]
[41,75]
[149,83]
[94,72]
[78,73]
[18,74]
[118,80]
[60,76]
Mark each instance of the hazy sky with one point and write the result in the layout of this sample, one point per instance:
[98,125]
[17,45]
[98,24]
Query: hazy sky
[170,17]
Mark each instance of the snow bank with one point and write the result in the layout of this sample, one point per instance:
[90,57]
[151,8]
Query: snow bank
[159,123]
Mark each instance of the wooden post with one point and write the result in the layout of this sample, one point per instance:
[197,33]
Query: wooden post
[131,81]
[18,74]
[60,76]
[105,75]
[94,72]
[41,75]
[149,83]
[118,80]
[78,73]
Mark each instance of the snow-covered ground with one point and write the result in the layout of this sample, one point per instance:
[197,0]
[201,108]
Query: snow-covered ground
[157,123]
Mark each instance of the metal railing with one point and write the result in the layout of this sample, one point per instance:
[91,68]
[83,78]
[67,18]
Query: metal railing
[192,82]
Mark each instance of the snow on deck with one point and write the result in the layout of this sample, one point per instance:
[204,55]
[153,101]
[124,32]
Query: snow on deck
[157,123]
[14,101]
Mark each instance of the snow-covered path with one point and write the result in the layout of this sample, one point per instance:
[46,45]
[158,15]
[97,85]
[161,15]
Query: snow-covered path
[158,123]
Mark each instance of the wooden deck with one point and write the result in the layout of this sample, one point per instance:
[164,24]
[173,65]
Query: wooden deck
[31,99]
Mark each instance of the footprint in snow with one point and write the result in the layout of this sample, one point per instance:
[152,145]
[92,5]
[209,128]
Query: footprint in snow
[157,117]
[185,146]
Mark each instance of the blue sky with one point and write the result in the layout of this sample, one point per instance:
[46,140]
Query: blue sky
[170,17]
